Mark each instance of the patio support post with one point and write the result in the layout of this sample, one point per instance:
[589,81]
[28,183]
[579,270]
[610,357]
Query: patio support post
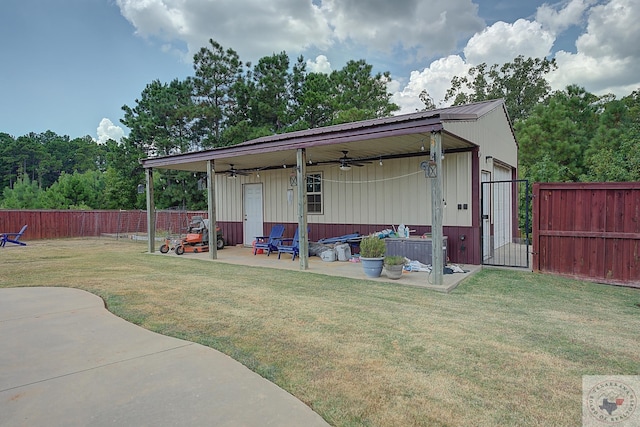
[437,240]
[211,207]
[151,212]
[303,236]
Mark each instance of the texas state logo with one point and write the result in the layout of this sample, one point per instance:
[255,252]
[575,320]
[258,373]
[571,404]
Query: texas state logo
[610,400]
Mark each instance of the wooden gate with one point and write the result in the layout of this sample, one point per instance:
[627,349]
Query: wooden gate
[589,231]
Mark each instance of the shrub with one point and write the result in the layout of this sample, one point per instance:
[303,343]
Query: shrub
[372,247]
[394,260]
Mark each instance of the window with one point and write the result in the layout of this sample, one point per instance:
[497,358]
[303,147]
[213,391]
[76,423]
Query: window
[314,193]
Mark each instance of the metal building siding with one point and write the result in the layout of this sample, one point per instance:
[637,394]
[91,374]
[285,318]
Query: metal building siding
[396,192]
[228,198]
[457,189]
[491,132]
[590,231]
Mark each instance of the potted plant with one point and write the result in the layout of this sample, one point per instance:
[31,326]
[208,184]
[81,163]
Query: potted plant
[372,250]
[393,265]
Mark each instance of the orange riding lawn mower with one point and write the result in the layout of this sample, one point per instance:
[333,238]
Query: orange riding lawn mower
[197,239]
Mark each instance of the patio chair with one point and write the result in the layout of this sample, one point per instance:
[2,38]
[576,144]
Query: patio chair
[269,243]
[290,246]
[12,238]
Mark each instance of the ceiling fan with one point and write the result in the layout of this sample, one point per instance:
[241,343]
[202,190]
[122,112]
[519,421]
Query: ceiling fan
[233,172]
[346,162]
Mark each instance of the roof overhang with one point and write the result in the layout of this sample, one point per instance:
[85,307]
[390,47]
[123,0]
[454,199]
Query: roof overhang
[406,135]
[373,139]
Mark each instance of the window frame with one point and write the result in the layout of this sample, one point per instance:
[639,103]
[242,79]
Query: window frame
[315,176]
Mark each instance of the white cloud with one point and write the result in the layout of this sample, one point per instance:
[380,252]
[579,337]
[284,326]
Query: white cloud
[253,28]
[608,56]
[502,42]
[556,21]
[612,30]
[422,28]
[435,80]
[107,130]
[598,75]
[320,65]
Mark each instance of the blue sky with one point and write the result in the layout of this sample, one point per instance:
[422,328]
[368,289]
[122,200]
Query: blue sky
[70,65]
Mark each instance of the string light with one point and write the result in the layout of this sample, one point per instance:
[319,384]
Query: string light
[371,181]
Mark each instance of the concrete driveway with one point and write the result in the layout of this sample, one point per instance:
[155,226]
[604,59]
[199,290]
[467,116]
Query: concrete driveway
[67,361]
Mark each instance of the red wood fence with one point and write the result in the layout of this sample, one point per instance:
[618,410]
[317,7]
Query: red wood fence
[51,224]
[590,231]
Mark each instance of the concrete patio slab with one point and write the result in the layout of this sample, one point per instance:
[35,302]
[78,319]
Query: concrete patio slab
[240,255]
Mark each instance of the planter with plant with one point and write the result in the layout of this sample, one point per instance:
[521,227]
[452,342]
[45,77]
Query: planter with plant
[372,250]
[394,265]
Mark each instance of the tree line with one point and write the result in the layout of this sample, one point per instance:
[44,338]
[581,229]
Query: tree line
[568,135]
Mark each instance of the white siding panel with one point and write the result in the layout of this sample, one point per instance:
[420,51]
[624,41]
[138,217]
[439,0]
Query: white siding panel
[276,203]
[457,189]
[492,133]
[396,192]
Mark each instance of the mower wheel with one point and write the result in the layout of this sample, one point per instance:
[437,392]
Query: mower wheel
[220,244]
[195,250]
[179,250]
[164,249]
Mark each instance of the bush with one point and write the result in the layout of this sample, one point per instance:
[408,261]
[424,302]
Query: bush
[394,260]
[372,247]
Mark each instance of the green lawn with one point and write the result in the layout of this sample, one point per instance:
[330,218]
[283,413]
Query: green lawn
[506,348]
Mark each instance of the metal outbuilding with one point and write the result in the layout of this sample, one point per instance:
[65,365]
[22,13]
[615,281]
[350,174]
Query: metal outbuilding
[423,170]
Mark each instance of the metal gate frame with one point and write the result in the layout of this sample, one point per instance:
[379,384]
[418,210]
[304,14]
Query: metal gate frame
[513,248]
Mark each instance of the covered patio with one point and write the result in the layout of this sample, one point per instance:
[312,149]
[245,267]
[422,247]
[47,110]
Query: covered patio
[243,257]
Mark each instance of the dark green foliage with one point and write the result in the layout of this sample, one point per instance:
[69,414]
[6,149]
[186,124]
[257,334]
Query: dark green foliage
[577,136]
[25,194]
[163,121]
[521,83]
[558,131]
[356,93]
[216,73]
[123,175]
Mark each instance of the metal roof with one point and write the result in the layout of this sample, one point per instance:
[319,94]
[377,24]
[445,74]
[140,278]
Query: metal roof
[396,136]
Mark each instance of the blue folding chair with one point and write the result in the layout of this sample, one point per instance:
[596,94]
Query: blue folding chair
[12,238]
[269,243]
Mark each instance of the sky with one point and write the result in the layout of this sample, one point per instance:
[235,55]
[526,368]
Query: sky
[70,65]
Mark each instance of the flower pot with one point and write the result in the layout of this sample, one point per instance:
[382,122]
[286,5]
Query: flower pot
[372,267]
[394,271]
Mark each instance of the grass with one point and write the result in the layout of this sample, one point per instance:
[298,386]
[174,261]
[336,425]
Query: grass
[506,348]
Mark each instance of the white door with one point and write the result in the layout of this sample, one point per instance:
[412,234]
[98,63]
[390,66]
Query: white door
[253,220]
[486,215]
